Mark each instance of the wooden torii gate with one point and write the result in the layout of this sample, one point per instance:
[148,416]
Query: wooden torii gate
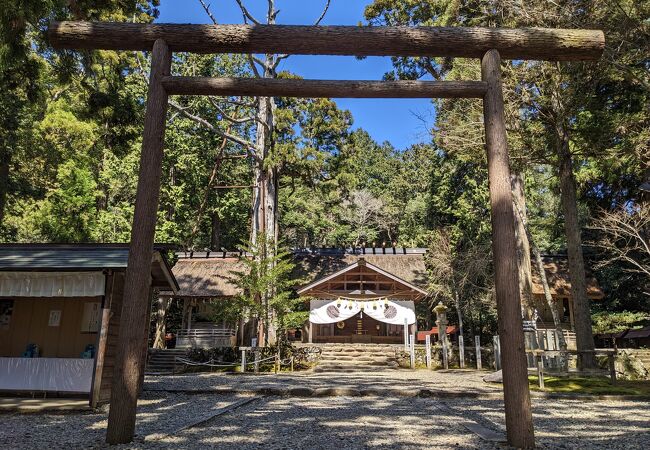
[487,44]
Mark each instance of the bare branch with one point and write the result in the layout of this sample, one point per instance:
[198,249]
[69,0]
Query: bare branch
[624,236]
[201,121]
[283,56]
[246,13]
[251,63]
[227,116]
[322,15]
[208,12]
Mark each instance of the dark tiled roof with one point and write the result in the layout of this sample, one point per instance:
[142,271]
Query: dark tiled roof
[79,257]
[638,333]
[63,258]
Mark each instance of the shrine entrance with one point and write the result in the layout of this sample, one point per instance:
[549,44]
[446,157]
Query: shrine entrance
[362,303]
[487,44]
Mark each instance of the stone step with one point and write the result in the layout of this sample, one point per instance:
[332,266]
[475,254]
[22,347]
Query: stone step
[162,361]
[358,358]
[349,369]
[357,349]
[354,363]
[358,355]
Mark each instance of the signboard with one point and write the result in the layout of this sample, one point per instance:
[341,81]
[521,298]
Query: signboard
[530,325]
[55,318]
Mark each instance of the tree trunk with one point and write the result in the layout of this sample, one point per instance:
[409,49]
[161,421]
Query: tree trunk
[459,313]
[161,312]
[581,304]
[215,232]
[519,213]
[128,361]
[523,245]
[516,395]
[264,201]
[5,160]
[265,195]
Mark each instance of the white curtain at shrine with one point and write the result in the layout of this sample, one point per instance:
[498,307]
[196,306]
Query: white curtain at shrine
[332,311]
[51,284]
[46,374]
[394,314]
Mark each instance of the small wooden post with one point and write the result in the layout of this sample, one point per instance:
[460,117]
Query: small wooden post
[311,326]
[497,352]
[461,351]
[412,350]
[445,357]
[406,335]
[243,360]
[128,361]
[479,362]
[516,393]
[256,355]
[611,359]
[291,363]
[101,356]
[427,350]
[539,357]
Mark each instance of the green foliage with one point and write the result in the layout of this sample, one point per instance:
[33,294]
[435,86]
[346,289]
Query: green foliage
[67,214]
[266,286]
[610,322]
[71,124]
[592,385]
[600,108]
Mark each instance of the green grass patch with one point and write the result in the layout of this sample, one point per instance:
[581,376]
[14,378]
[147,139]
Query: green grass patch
[591,385]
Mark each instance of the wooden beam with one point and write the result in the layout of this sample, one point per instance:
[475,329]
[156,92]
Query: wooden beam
[129,364]
[516,395]
[523,43]
[270,87]
[100,358]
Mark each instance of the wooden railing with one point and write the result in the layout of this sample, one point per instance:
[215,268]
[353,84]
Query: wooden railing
[206,338]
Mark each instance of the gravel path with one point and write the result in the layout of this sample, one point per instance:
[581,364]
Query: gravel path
[573,424]
[449,381]
[165,419]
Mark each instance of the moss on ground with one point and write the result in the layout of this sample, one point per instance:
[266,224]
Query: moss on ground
[591,385]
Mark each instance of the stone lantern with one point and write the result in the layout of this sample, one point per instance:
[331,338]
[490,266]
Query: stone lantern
[441,321]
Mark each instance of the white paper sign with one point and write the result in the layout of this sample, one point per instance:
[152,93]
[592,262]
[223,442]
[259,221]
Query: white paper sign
[90,320]
[55,318]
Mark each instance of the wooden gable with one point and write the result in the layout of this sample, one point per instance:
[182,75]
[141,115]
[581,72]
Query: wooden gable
[362,280]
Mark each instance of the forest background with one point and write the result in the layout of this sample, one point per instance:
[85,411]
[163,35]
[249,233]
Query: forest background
[71,126]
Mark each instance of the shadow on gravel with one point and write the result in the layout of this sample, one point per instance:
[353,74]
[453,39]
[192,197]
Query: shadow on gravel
[574,424]
[334,423]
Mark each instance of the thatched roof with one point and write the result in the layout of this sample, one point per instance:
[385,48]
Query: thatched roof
[211,276]
[207,277]
[557,274]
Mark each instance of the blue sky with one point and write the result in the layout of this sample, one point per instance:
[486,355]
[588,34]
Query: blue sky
[395,120]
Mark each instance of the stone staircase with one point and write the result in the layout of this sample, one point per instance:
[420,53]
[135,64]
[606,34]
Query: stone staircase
[162,361]
[643,356]
[350,358]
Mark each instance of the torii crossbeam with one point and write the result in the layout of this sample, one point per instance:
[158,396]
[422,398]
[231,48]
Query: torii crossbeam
[487,44]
